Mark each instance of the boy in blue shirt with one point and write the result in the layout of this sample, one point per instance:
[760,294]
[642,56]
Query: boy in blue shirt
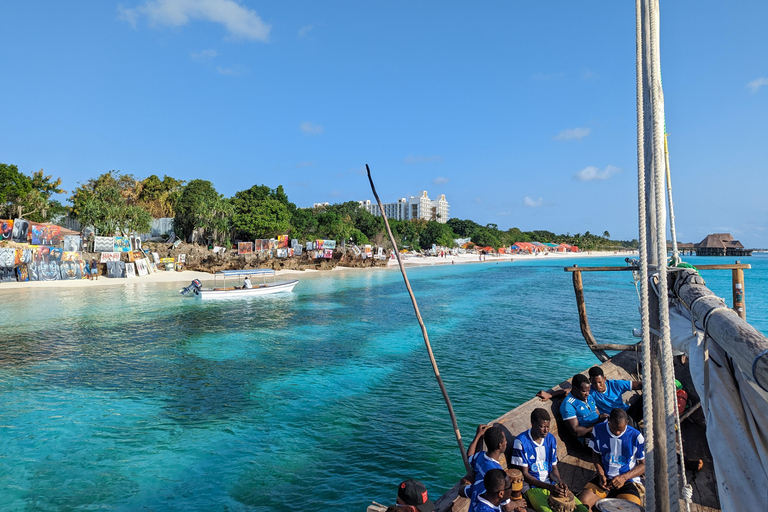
[534,453]
[578,409]
[499,490]
[608,393]
[483,461]
[619,458]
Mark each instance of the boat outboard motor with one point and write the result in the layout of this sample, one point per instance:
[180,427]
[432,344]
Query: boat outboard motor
[194,286]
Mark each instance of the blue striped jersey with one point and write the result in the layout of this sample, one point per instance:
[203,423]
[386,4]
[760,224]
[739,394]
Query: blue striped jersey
[619,453]
[539,458]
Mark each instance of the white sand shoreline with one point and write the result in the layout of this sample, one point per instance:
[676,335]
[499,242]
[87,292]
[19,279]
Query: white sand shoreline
[187,276]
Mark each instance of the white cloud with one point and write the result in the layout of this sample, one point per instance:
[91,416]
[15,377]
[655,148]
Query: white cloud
[533,203]
[410,159]
[334,193]
[592,173]
[478,200]
[310,128]
[205,54]
[754,85]
[440,180]
[573,133]
[238,20]
[304,31]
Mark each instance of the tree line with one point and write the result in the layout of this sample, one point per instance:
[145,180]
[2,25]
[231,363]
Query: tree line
[119,203]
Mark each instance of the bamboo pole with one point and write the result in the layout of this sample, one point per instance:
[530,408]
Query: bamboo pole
[423,327]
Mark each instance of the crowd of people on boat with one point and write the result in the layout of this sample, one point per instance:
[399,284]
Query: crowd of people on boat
[594,413]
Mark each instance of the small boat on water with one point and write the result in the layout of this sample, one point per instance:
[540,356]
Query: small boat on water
[221,290]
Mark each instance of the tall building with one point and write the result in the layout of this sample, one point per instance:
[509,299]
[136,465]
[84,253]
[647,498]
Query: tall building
[421,207]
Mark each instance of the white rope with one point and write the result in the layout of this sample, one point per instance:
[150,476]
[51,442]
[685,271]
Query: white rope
[650,489]
[667,365]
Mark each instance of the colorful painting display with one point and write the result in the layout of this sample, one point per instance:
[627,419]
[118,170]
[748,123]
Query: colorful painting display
[103,244]
[141,267]
[282,253]
[20,231]
[109,256]
[130,270]
[45,234]
[22,272]
[7,275]
[122,244]
[72,243]
[7,257]
[6,229]
[70,270]
[116,269]
[244,247]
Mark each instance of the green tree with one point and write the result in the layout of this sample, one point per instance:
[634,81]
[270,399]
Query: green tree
[201,213]
[158,196]
[109,204]
[437,233]
[606,234]
[463,228]
[486,237]
[13,187]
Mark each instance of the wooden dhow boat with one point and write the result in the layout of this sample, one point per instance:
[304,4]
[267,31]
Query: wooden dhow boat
[726,360]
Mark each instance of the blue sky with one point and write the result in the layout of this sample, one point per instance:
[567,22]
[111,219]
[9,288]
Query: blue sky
[521,113]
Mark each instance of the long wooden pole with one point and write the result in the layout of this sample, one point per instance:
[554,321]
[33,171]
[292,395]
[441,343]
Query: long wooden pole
[423,327]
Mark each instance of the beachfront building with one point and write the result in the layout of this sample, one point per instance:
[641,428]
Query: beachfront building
[721,244]
[421,207]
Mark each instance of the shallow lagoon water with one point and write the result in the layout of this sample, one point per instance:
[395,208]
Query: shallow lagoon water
[133,397]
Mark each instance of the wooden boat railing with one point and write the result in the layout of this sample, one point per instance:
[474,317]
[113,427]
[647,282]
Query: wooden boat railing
[599,349]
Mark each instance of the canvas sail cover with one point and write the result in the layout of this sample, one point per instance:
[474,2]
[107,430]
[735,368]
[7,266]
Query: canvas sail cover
[736,411]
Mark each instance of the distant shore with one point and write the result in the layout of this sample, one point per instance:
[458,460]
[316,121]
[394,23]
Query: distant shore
[187,276]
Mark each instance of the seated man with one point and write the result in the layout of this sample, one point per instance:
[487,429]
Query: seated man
[619,457]
[498,490]
[247,283]
[483,461]
[607,393]
[534,452]
[578,409]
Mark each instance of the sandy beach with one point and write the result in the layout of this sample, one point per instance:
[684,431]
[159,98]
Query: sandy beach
[187,276]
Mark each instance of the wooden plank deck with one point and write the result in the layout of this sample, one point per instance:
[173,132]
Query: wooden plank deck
[575,461]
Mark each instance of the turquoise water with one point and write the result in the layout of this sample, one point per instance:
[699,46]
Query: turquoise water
[135,398]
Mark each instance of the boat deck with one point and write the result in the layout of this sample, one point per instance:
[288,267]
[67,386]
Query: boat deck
[575,461]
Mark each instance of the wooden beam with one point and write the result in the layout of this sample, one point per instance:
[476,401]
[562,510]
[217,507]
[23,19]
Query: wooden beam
[724,266]
[578,287]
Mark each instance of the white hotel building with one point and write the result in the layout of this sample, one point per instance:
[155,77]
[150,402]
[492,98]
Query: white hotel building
[421,207]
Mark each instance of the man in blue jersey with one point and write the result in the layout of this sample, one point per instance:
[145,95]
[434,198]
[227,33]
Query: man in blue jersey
[498,490]
[578,409]
[608,393]
[534,452]
[483,461]
[619,457]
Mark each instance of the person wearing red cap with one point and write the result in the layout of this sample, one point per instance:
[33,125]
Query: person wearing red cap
[413,493]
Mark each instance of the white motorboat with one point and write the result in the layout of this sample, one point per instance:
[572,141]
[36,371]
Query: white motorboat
[221,290]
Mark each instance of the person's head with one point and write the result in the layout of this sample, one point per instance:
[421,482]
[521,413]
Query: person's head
[498,486]
[580,386]
[495,439]
[413,492]
[540,419]
[617,421]
[597,379]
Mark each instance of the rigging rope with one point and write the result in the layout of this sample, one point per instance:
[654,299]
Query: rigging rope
[643,254]
[667,366]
